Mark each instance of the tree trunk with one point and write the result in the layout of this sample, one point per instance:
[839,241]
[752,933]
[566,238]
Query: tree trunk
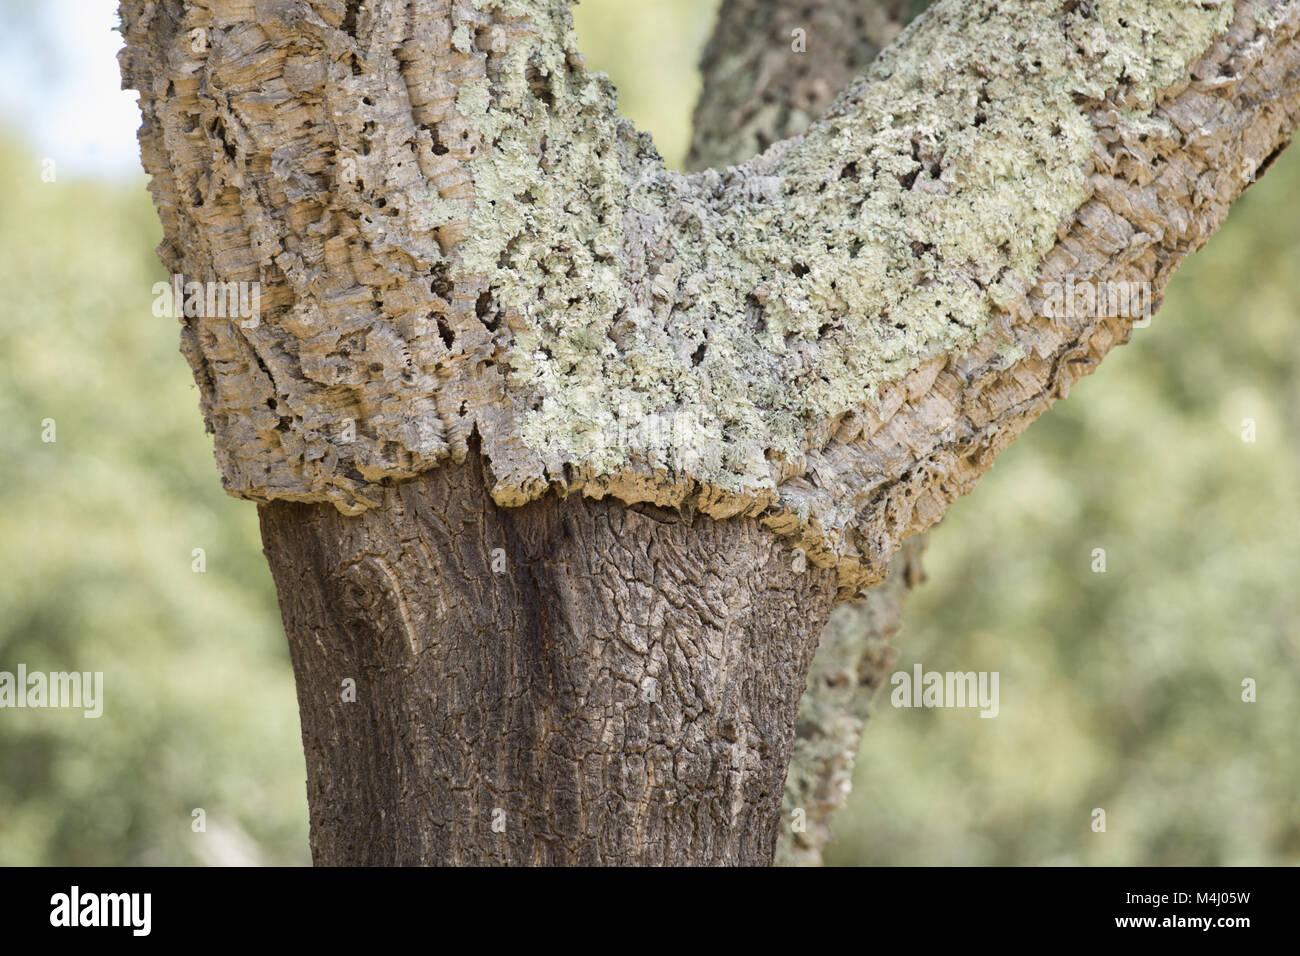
[570,682]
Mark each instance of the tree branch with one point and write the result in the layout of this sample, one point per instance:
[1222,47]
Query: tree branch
[1157,186]
[837,337]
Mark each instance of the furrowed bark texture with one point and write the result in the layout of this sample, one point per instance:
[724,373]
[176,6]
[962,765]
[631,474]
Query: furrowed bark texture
[471,269]
[619,691]
[771,68]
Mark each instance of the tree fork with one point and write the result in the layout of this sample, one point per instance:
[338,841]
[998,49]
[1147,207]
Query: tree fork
[844,333]
[853,653]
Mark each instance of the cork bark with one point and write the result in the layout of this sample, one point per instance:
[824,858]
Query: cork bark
[479,285]
[610,328]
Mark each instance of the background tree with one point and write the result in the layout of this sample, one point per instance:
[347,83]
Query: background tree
[640,705]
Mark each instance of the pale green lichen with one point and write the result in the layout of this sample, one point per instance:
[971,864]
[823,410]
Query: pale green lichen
[749,308]
[438,212]
[462,39]
[1168,36]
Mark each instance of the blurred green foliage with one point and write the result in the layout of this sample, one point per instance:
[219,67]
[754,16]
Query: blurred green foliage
[99,529]
[1119,690]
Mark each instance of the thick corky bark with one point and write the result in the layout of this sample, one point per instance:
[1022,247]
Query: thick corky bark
[491,318]
[456,233]
[619,691]
[1156,191]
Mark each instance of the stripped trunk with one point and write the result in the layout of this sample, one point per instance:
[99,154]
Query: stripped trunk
[570,682]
